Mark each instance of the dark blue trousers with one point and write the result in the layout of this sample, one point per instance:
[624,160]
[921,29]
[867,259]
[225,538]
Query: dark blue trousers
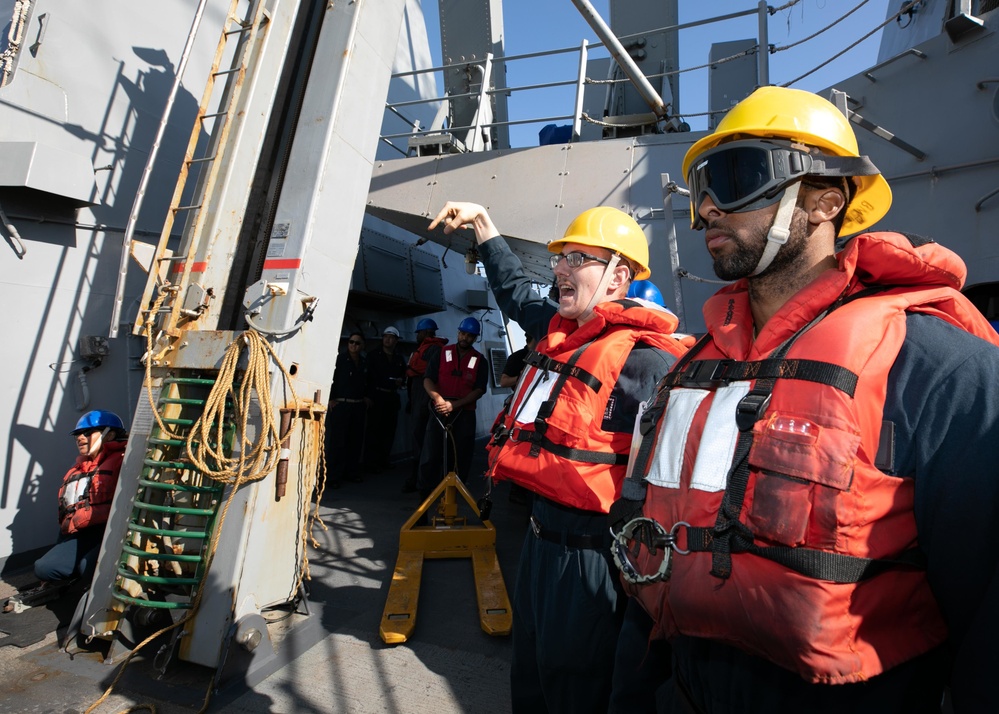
[73,556]
[438,458]
[567,610]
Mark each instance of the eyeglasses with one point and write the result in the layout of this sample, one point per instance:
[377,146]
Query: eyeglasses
[574,259]
[744,176]
[354,342]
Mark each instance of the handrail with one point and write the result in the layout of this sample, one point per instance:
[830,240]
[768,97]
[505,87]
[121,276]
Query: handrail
[762,49]
[983,199]
[911,51]
[484,125]
[581,79]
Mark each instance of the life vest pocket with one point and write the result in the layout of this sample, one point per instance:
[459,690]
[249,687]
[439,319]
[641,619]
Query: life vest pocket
[800,473]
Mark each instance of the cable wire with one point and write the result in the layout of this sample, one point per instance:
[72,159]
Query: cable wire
[904,9]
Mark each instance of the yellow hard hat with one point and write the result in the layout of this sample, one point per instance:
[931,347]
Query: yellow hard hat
[804,118]
[606,227]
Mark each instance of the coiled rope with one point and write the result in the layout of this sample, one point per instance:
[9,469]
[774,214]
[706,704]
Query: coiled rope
[255,460]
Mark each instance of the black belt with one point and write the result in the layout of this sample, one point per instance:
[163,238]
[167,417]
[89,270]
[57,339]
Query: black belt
[344,400]
[594,541]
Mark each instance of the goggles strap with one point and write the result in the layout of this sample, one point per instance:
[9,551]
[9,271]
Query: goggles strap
[604,282]
[780,229]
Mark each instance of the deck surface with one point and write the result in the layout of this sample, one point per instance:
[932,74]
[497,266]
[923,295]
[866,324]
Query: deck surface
[448,664]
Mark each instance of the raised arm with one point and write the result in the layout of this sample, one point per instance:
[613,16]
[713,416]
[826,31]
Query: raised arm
[511,287]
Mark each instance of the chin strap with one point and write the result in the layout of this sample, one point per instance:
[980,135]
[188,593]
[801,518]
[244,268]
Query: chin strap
[99,442]
[604,282]
[780,229]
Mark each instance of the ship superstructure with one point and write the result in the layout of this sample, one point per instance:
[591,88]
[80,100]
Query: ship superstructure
[184,195]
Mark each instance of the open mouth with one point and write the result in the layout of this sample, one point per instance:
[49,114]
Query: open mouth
[566,291]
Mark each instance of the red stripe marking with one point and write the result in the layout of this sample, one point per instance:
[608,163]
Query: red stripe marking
[283,264]
[195,267]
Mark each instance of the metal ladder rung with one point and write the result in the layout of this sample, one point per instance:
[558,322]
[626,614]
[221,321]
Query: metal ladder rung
[235,21]
[142,505]
[213,115]
[181,400]
[149,530]
[166,442]
[129,600]
[183,487]
[203,159]
[155,579]
[145,554]
[200,381]
[226,71]
[178,422]
[175,465]
[186,208]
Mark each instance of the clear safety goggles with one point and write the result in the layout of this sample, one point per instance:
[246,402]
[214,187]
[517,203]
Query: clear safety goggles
[745,175]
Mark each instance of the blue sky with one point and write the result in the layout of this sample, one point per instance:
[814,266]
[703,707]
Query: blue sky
[535,25]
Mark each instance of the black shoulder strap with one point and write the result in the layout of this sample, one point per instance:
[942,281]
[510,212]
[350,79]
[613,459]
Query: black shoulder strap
[548,406]
[536,359]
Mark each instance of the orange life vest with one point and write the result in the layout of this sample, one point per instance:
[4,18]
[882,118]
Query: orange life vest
[456,374]
[88,488]
[803,551]
[551,439]
[418,360]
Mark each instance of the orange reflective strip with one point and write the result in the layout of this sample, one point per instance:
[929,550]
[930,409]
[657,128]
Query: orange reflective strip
[283,264]
[195,267]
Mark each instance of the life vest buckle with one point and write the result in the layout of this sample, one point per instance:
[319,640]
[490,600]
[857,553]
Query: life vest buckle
[707,374]
[651,534]
[500,434]
[751,408]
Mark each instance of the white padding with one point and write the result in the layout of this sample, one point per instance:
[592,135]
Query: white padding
[668,458]
[714,455]
[538,390]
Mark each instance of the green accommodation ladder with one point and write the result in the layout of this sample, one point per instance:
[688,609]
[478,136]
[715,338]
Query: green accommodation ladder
[167,544]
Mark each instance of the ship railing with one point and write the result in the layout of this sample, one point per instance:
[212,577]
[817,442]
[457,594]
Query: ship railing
[449,138]
[455,139]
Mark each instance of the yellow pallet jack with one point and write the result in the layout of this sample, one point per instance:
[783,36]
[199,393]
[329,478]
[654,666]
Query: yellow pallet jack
[448,536]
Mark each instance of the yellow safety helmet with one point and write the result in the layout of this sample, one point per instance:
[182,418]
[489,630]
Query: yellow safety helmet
[805,118]
[606,227]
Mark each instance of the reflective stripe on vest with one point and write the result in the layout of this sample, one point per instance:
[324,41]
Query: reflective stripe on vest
[714,458]
[812,493]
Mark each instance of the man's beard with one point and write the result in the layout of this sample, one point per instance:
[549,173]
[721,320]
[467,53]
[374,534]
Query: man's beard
[742,262]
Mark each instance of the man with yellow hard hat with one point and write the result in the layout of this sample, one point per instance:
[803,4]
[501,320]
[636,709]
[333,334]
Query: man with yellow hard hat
[817,476]
[565,436]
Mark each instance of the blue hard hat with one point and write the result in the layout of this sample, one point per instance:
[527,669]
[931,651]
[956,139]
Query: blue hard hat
[426,324]
[646,290]
[98,419]
[471,326]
